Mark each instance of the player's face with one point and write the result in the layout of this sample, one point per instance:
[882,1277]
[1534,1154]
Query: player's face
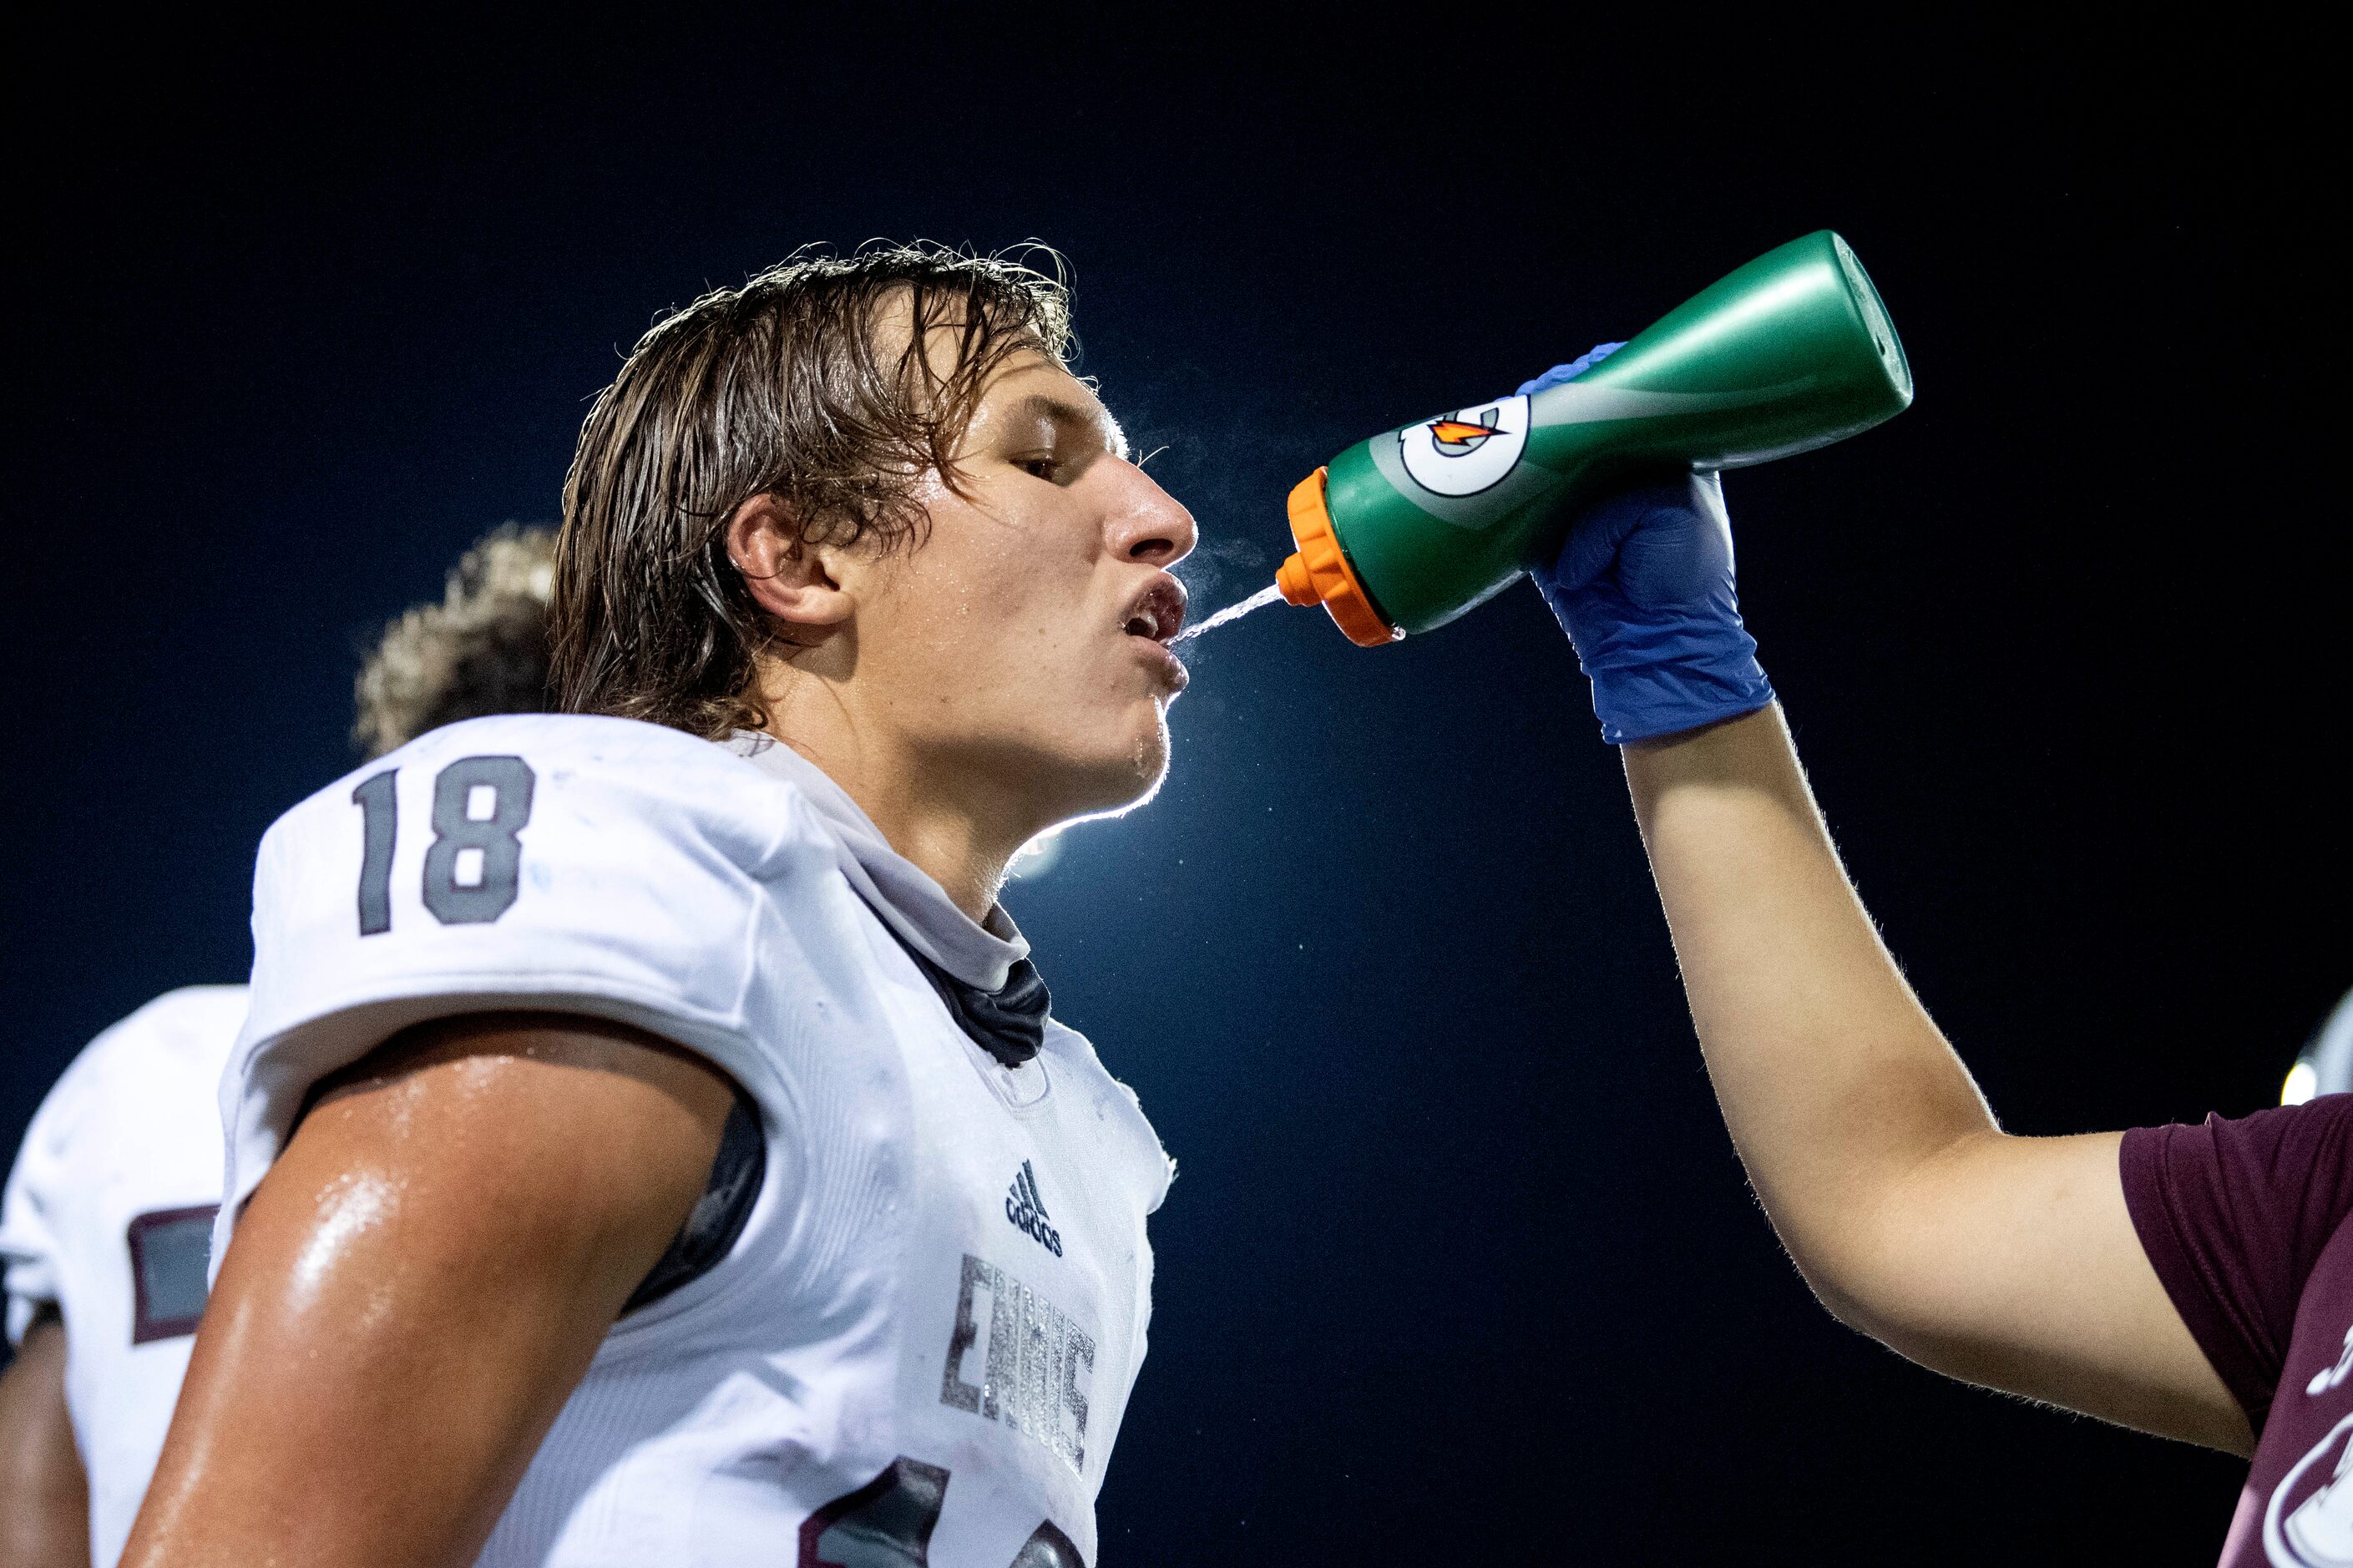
[1025,640]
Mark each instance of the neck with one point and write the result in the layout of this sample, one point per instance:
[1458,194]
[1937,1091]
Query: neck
[960,830]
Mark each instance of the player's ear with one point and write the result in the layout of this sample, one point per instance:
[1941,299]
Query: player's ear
[786,575]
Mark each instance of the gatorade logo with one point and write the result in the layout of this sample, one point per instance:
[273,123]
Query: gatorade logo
[1467,451]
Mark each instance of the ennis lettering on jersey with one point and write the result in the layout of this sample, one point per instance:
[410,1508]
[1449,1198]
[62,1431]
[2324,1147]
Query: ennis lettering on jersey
[1035,1368]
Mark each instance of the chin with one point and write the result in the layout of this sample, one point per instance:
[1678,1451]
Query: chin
[1118,782]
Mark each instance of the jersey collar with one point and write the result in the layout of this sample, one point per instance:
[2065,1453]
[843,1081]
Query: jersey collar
[915,907]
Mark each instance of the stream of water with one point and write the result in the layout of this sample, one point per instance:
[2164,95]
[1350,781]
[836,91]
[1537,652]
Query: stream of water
[1270,594]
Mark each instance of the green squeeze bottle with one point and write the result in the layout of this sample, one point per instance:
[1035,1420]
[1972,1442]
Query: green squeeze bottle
[1410,529]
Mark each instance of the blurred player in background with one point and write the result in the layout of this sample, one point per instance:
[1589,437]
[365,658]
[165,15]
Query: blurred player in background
[107,1221]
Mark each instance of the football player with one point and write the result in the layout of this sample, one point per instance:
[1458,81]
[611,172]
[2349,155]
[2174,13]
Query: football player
[649,1141]
[109,1211]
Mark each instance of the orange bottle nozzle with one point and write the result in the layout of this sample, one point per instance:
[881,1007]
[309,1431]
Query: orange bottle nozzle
[1320,573]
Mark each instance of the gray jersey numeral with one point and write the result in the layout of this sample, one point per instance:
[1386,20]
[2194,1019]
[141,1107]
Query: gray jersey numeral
[1049,1548]
[378,800]
[886,1523]
[484,844]
[474,869]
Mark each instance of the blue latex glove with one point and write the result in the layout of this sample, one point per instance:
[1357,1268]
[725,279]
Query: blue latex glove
[1572,370]
[1643,587]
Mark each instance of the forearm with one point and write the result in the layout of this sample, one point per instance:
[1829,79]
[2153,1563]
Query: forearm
[2012,1262]
[1836,1085]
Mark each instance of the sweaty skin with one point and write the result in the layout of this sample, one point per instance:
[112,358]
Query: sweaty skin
[417,1286]
[46,1522]
[423,1276]
[2010,1262]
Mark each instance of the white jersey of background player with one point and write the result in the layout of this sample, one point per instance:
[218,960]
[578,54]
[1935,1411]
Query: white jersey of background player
[104,1231]
[658,1147]
[107,1215]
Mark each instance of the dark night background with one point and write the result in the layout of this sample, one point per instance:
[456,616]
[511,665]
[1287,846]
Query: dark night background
[1461,1267]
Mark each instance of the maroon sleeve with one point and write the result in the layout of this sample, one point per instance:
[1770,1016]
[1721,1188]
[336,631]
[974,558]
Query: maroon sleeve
[2233,1216]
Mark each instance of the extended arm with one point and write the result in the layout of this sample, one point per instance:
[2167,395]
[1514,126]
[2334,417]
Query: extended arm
[2008,1261]
[47,1522]
[417,1285]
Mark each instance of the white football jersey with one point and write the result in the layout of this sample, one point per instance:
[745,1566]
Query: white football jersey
[920,1347]
[106,1218]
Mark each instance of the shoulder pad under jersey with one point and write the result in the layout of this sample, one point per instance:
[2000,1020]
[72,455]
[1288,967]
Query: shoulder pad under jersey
[550,861]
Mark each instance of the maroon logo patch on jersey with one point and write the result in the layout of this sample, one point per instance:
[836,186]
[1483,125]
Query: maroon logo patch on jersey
[171,1254]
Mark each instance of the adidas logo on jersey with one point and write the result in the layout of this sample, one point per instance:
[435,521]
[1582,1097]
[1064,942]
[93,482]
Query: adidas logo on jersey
[1027,1210]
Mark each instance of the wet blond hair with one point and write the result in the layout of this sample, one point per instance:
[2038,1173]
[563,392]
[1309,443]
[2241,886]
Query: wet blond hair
[783,387]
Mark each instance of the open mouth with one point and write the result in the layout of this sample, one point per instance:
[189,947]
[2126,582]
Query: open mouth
[1157,613]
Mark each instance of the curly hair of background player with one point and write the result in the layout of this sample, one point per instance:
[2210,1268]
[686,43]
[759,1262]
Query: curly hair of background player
[482,649]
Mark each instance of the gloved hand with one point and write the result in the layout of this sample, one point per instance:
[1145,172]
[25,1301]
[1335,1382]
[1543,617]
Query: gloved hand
[1642,585]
